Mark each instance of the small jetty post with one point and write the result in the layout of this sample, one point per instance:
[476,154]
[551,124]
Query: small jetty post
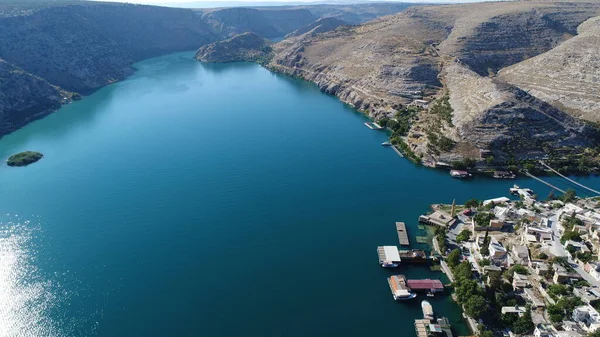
[402,234]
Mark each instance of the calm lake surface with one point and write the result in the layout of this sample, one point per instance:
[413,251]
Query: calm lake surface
[212,200]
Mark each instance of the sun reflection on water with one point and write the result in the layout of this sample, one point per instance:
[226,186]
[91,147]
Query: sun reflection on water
[25,296]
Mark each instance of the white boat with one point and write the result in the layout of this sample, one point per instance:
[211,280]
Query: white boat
[427,309]
[430,295]
[404,296]
[386,144]
[389,264]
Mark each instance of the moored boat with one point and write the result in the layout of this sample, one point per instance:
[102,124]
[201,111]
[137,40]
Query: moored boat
[386,144]
[459,174]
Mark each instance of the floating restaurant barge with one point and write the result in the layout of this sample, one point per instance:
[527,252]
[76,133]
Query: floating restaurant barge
[403,289]
[389,257]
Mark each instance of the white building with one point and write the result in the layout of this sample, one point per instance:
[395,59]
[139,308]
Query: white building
[587,317]
[541,234]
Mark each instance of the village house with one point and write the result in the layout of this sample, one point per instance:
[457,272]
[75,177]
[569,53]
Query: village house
[536,234]
[587,317]
[587,294]
[540,267]
[593,268]
[520,254]
[520,281]
[514,310]
[494,225]
[561,275]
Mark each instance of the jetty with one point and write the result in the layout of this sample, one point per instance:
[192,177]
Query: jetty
[402,234]
[373,126]
[397,151]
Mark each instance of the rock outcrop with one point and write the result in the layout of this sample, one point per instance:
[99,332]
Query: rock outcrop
[244,47]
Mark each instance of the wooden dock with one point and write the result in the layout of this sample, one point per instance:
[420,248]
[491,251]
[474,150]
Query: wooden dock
[402,234]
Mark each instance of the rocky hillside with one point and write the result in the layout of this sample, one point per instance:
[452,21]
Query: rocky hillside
[266,23]
[320,26]
[243,47]
[567,76]
[24,97]
[452,53]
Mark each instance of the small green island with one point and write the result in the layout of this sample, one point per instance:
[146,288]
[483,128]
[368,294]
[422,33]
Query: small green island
[24,158]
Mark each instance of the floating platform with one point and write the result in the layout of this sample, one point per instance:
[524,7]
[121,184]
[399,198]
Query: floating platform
[402,234]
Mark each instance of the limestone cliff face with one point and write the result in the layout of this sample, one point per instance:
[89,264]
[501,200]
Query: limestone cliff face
[567,76]
[243,47]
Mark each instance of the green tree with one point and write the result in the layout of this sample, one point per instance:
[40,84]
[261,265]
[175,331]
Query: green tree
[524,325]
[569,195]
[464,235]
[570,235]
[475,306]
[472,203]
[453,258]
[482,219]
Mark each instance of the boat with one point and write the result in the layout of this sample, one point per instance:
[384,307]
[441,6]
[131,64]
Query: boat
[404,297]
[427,310]
[389,264]
[459,174]
[430,295]
[386,144]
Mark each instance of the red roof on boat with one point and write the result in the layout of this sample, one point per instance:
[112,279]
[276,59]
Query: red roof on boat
[425,284]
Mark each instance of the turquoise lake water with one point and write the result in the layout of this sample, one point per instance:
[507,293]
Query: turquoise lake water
[212,200]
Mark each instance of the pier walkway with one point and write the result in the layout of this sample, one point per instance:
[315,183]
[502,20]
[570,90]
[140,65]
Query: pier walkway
[568,179]
[402,234]
[543,182]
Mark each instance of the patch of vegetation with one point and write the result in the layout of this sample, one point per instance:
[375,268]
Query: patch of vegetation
[442,108]
[563,308]
[464,164]
[482,219]
[472,203]
[570,235]
[24,158]
[401,144]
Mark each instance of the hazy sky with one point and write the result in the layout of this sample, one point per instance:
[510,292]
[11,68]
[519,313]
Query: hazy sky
[177,2]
